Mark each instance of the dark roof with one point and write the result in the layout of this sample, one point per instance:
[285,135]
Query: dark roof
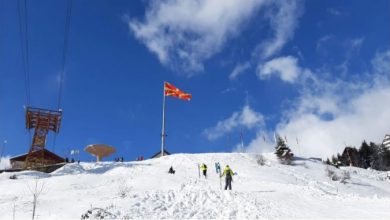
[47,153]
[348,150]
[159,153]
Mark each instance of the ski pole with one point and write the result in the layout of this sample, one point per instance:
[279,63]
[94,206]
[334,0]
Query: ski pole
[220,181]
[198,171]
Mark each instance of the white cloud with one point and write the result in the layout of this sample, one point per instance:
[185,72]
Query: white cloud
[333,11]
[381,64]
[285,67]
[228,90]
[283,21]
[329,114]
[238,70]
[5,163]
[352,47]
[185,33]
[320,45]
[362,117]
[246,118]
[356,43]
[326,45]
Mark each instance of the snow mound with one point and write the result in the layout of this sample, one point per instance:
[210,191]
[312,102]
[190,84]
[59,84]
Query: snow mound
[30,174]
[69,169]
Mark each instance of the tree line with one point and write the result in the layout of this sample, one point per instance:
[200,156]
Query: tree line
[374,156]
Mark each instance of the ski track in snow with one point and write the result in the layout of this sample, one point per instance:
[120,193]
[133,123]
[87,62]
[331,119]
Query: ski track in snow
[144,190]
[197,200]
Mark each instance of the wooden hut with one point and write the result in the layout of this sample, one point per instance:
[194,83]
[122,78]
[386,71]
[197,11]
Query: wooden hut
[50,158]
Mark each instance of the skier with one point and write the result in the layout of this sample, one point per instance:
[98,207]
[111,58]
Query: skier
[203,167]
[171,170]
[229,177]
[217,167]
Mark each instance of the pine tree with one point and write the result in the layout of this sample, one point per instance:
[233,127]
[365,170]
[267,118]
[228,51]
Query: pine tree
[386,158]
[378,156]
[375,159]
[334,160]
[383,158]
[365,153]
[283,152]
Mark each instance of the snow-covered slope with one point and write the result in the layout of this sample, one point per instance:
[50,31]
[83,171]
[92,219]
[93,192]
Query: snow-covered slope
[145,190]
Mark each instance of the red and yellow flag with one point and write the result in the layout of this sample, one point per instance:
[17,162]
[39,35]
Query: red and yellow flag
[171,90]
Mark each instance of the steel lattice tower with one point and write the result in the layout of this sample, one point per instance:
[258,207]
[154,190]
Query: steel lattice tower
[43,121]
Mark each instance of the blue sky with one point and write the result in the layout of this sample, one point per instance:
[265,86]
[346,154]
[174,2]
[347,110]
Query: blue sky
[316,71]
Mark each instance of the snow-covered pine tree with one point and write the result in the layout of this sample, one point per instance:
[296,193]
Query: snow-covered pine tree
[386,158]
[283,152]
[334,160]
[382,161]
[375,160]
[365,153]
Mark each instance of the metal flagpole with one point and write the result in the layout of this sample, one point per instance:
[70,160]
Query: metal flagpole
[163,124]
[274,137]
[242,142]
[2,149]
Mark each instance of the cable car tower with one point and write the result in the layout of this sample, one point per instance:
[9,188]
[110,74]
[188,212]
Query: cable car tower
[43,121]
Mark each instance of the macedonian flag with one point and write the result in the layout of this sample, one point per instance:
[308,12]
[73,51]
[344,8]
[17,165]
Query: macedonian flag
[171,90]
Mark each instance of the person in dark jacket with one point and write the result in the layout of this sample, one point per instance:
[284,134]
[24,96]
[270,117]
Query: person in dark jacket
[229,177]
[171,170]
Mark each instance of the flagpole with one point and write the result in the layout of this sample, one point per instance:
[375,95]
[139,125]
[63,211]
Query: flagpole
[242,141]
[299,149]
[274,137]
[163,124]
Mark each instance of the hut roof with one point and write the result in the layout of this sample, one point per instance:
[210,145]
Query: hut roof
[48,154]
[158,154]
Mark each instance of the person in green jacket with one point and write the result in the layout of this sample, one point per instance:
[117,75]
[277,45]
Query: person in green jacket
[203,168]
[229,177]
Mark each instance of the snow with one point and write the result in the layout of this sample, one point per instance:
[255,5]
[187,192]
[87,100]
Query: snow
[145,190]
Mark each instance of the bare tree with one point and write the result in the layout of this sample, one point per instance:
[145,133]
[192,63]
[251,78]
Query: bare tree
[14,208]
[260,160]
[36,191]
[123,188]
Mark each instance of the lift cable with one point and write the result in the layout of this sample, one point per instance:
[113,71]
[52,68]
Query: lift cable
[68,16]
[23,31]
[65,50]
